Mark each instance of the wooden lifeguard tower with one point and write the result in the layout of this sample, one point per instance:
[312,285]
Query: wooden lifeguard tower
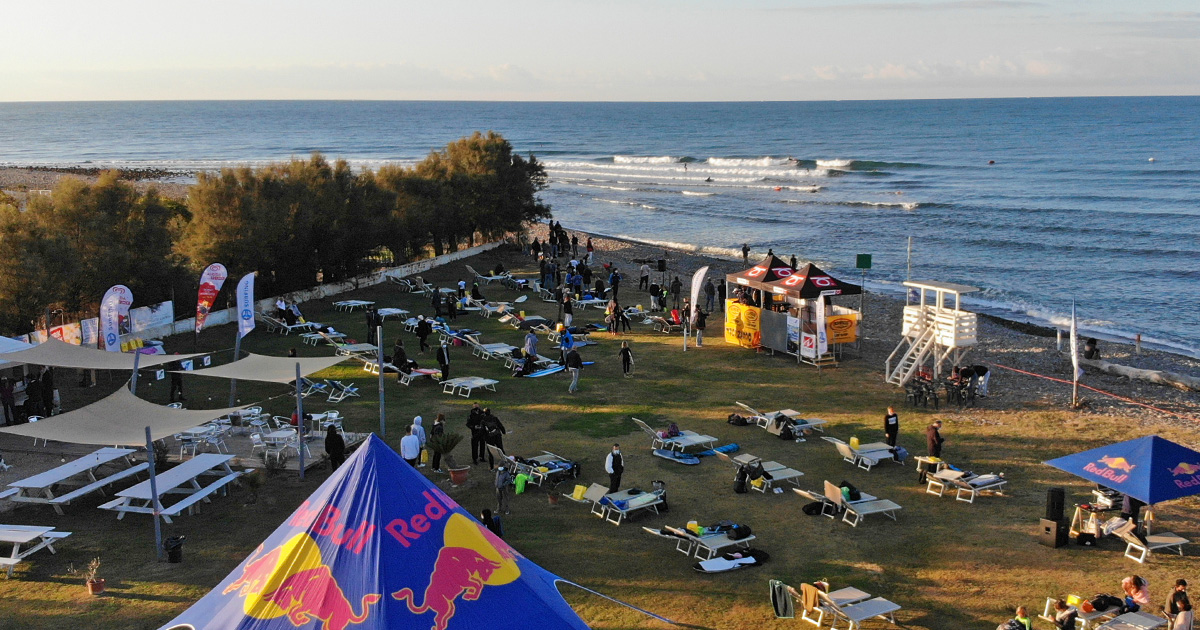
[935,329]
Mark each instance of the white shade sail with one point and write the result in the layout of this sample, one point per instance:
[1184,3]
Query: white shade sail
[57,353]
[257,367]
[118,420]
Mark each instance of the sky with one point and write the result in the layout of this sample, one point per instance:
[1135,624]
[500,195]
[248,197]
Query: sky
[601,50]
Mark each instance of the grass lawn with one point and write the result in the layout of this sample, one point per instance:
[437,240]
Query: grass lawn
[950,564]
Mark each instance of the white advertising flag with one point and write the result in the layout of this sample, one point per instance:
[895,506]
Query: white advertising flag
[113,308]
[697,279]
[822,341]
[245,305]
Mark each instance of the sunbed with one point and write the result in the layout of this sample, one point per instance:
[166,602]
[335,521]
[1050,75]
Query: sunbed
[809,598]
[778,474]
[773,421]
[706,546]
[623,504]
[967,485]
[1138,550]
[406,378]
[405,285]
[339,391]
[855,614]
[463,386]
[858,509]
[539,468]
[278,325]
[1086,620]
[487,279]
[489,350]
[662,325]
[681,442]
[350,305]
[865,457]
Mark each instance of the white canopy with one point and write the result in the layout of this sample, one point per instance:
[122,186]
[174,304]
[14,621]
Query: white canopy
[11,345]
[256,367]
[57,353]
[120,419]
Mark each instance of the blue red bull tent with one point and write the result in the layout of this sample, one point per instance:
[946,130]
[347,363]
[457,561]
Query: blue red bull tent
[379,546]
[1149,469]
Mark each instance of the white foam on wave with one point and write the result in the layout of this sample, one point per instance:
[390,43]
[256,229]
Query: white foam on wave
[695,193]
[834,163]
[912,205]
[639,159]
[763,161]
[677,171]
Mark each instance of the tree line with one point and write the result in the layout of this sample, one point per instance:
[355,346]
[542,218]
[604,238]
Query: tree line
[296,223]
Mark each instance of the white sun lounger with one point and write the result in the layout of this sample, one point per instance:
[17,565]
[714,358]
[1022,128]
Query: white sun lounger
[968,486]
[771,420]
[463,386]
[705,547]
[681,442]
[634,504]
[856,613]
[779,474]
[840,597]
[858,509]
[487,279]
[1139,551]
[407,379]
[865,457]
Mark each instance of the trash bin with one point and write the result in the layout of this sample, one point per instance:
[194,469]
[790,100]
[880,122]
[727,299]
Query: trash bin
[174,548]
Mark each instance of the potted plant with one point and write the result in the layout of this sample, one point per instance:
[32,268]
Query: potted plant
[95,585]
[444,445]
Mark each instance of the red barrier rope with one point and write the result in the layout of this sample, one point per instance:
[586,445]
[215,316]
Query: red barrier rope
[1098,391]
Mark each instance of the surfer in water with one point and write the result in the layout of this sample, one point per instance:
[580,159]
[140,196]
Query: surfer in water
[708,179]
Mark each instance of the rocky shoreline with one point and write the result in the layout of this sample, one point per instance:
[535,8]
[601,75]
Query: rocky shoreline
[20,181]
[1002,344]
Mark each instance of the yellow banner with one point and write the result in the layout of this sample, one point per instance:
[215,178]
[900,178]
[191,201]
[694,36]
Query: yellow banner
[841,328]
[743,324]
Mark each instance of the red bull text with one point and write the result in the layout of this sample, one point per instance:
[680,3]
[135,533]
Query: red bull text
[1111,465]
[406,531]
[1192,471]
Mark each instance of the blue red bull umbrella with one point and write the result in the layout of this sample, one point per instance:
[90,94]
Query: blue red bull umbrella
[379,546]
[1150,469]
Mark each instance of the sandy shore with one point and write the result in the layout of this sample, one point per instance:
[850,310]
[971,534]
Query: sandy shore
[1001,344]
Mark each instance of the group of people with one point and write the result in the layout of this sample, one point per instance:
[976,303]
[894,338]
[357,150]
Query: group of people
[1136,590]
[33,395]
[559,245]
[288,312]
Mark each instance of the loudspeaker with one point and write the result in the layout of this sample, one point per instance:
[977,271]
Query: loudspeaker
[662,264]
[1053,533]
[1055,501]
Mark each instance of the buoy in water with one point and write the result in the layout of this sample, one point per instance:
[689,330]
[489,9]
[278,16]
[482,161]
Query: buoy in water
[778,188]
[991,161]
[1151,159]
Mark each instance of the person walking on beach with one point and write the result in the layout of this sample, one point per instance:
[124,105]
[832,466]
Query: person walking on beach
[891,427]
[710,295]
[934,439]
[590,250]
[614,465]
[626,359]
[574,366]
[745,253]
[644,277]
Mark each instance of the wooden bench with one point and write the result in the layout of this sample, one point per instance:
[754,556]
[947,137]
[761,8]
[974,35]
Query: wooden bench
[199,495]
[8,493]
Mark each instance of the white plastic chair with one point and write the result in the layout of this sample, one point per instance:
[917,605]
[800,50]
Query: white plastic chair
[256,443]
[45,442]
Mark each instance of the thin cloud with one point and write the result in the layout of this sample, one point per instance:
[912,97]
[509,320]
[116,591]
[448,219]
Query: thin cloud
[909,7]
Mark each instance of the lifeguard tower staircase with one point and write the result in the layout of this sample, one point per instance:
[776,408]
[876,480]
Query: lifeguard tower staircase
[935,329]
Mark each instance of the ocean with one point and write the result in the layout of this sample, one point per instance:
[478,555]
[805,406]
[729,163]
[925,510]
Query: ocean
[1037,202]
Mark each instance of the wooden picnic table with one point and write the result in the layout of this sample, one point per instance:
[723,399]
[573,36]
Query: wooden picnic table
[182,479]
[19,535]
[40,488]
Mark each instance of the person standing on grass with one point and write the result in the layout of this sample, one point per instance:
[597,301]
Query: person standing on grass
[424,329]
[495,434]
[504,482]
[435,300]
[410,447]
[934,439]
[531,341]
[699,324]
[567,309]
[566,343]
[438,428]
[335,447]
[443,359]
[891,427]
[721,294]
[626,359]
[614,465]
[462,288]
[9,399]
[419,431]
[574,366]
[478,434]
[614,281]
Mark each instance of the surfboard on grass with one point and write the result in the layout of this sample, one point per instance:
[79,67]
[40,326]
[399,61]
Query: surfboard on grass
[677,457]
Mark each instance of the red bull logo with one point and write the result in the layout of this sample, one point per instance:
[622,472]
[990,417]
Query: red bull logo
[1192,471]
[292,581]
[1111,464]
[470,560]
